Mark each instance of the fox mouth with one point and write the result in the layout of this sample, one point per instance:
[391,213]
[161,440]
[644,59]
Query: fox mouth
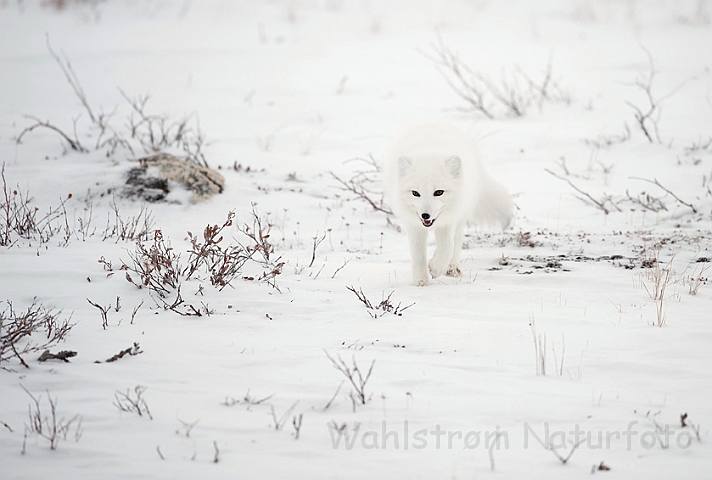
[428,223]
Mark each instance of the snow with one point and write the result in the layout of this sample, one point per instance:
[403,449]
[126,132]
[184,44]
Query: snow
[295,90]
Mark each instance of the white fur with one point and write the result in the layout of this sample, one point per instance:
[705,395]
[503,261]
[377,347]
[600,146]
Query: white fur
[436,157]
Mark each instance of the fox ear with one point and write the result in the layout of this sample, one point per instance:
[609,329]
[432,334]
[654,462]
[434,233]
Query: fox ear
[454,165]
[404,164]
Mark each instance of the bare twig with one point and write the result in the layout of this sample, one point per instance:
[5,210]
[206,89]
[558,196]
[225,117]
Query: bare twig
[647,117]
[128,403]
[539,348]
[317,242]
[601,204]
[187,427]
[259,234]
[297,424]
[333,397]
[354,375]
[6,426]
[254,401]
[668,191]
[494,444]
[74,143]
[346,262]
[135,310]
[358,190]
[488,98]
[647,202]
[562,459]
[104,311]
[385,305]
[279,422]
[461,79]
[52,428]
[216,456]
[360,184]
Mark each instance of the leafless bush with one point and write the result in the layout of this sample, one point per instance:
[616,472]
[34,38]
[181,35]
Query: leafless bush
[669,192]
[19,331]
[223,264]
[20,219]
[612,203]
[383,307]
[606,204]
[361,184]
[52,427]
[128,402]
[124,228]
[646,201]
[106,136]
[512,96]
[699,146]
[156,265]
[162,271]
[697,278]
[606,141]
[261,249]
[149,132]
[156,133]
[648,116]
[354,375]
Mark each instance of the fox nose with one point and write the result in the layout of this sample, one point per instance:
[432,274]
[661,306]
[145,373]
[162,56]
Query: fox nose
[425,216]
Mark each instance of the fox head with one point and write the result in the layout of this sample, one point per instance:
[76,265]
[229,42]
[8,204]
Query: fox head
[429,186]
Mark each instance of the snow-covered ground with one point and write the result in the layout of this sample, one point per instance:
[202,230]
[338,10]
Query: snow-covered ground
[296,90]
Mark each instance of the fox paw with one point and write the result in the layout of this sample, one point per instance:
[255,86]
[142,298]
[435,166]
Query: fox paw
[453,270]
[436,270]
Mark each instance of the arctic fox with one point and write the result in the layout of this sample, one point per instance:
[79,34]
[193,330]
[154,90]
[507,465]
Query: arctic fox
[434,180]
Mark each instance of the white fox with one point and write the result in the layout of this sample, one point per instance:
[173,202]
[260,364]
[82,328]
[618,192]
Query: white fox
[434,179]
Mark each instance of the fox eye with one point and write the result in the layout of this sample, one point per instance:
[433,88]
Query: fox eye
[437,193]
[415,194]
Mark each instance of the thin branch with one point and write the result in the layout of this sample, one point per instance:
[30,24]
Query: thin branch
[358,190]
[598,203]
[667,190]
[74,143]
[564,460]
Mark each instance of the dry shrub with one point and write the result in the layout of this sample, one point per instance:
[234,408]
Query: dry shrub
[31,331]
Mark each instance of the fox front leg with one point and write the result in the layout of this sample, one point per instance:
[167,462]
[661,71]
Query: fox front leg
[444,248]
[453,269]
[418,240]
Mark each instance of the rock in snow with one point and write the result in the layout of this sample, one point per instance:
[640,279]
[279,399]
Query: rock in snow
[151,179]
